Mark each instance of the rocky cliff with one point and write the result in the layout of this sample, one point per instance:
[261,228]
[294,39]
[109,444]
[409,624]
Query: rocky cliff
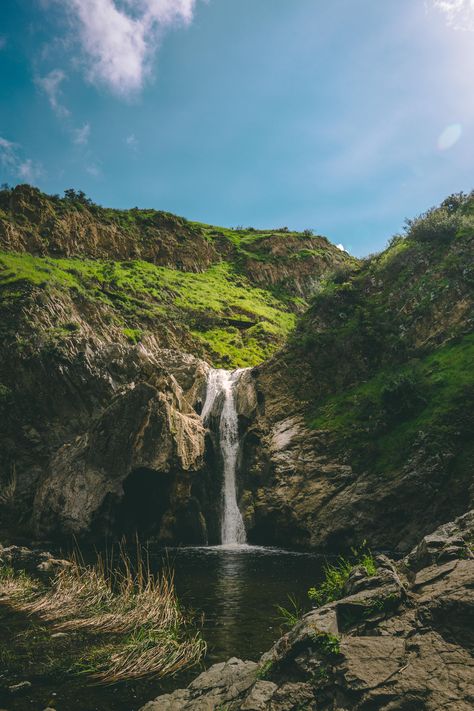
[365,419]
[398,639]
[99,395]
[359,427]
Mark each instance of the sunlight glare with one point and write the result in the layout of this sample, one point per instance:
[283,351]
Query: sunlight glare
[450,136]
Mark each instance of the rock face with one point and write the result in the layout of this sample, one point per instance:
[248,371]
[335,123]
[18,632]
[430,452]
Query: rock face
[298,490]
[364,420]
[402,639]
[146,428]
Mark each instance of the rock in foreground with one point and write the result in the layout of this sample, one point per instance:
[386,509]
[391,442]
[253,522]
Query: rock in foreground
[400,640]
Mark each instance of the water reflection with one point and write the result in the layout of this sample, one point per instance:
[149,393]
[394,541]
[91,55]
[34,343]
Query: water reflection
[230,593]
[237,588]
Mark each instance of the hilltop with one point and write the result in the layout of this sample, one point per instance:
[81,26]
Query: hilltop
[230,296]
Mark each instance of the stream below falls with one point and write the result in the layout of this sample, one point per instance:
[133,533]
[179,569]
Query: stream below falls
[236,588]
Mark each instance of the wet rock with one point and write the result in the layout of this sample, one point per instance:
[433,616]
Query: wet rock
[38,563]
[245,395]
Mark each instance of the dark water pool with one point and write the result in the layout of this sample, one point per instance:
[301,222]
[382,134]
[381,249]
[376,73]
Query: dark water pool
[237,591]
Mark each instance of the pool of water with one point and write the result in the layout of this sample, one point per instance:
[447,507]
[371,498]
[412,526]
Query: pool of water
[235,589]
[238,589]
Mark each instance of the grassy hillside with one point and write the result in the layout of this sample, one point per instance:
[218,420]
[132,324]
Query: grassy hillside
[389,348]
[231,296]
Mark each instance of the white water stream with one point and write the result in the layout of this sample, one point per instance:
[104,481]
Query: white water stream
[222,382]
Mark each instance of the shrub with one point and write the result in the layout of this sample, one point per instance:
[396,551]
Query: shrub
[133,335]
[337,574]
[435,224]
[402,396]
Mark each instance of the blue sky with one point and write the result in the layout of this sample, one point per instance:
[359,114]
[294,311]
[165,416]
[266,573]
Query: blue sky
[344,116]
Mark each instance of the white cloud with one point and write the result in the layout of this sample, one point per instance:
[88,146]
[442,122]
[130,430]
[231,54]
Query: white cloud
[459,13]
[25,169]
[93,170]
[7,153]
[81,135]
[341,247]
[51,85]
[132,141]
[120,40]
[29,171]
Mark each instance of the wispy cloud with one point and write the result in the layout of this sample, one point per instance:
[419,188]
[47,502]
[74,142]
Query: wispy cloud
[3,42]
[51,85]
[12,162]
[81,135]
[459,13]
[28,171]
[94,170]
[132,142]
[119,40]
[7,152]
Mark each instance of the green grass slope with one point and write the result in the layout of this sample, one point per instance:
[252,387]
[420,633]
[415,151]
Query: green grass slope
[389,348]
[228,295]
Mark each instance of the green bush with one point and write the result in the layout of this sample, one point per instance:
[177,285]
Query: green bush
[134,335]
[435,224]
[402,396]
[337,574]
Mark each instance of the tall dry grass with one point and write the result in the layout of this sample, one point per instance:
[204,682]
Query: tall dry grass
[136,613]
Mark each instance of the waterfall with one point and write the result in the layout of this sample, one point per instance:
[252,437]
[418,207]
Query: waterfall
[221,383]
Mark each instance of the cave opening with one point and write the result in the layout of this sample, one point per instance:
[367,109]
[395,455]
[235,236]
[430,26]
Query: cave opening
[146,498]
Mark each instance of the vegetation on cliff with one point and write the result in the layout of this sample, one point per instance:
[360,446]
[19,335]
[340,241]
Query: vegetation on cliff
[390,347]
[229,295]
[368,419]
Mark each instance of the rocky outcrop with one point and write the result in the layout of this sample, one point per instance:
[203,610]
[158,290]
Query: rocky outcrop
[43,225]
[146,427]
[37,563]
[401,639]
[101,425]
[297,490]
[296,263]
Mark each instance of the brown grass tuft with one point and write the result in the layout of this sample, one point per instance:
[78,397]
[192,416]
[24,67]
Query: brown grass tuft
[146,632]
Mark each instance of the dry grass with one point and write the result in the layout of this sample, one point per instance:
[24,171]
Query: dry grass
[146,632]
[7,493]
[16,586]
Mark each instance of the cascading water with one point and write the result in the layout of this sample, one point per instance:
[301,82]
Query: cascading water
[222,382]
